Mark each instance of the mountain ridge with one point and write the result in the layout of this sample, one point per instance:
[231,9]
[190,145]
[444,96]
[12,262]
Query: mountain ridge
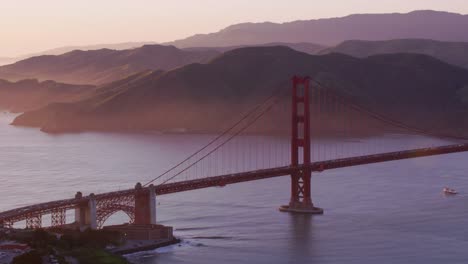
[103,65]
[200,97]
[438,25]
[30,94]
[97,67]
[455,53]
[65,49]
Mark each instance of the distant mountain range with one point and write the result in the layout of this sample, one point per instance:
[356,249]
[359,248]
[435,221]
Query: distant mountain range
[423,24]
[62,50]
[309,48]
[113,46]
[434,25]
[98,67]
[27,95]
[455,53]
[6,60]
[105,65]
[393,67]
[200,97]
[102,66]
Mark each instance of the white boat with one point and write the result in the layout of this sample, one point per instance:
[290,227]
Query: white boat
[449,191]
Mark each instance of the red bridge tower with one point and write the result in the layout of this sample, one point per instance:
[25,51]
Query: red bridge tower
[301,201]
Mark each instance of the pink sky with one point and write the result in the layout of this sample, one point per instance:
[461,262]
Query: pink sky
[30,25]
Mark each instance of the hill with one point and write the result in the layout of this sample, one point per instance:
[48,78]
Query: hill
[6,60]
[62,50]
[435,25]
[202,97]
[105,65]
[26,95]
[101,66]
[112,46]
[309,48]
[455,53]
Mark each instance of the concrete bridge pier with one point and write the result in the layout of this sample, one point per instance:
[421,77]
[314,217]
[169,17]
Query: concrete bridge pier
[85,214]
[145,205]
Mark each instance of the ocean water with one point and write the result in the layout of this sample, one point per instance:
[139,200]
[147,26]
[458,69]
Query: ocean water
[391,212]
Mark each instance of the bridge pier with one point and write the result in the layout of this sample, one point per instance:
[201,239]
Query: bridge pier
[301,200]
[85,214]
[145,205]
[91,214]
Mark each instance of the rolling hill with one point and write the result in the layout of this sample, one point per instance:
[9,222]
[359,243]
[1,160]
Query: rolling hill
[101,66]
[435,25]
[26,95]
[309,48]
[455,53]
[6,60]
[62,50]
[203,97]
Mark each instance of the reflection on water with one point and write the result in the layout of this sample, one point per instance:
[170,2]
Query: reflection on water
[382,213]
[302,242]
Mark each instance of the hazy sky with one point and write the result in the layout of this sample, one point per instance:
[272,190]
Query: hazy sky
[34,25]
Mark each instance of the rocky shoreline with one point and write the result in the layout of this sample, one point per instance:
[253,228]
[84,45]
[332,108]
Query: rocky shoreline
[140,245]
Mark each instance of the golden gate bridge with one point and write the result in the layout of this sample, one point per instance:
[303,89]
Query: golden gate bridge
[315,112]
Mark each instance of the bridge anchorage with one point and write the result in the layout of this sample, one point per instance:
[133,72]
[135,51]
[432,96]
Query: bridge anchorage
[301,200]
[139,204]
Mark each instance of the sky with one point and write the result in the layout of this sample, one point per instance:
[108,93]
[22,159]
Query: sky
[28,26]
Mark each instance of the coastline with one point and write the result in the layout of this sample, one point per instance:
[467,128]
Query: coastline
[136,246]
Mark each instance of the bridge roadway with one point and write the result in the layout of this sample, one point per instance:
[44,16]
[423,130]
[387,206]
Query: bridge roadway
[19,214]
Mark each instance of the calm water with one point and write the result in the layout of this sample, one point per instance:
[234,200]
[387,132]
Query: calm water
[385,213]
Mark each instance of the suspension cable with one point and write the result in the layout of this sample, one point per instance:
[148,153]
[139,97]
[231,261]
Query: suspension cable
[246,116]
[391,121]
[226,141]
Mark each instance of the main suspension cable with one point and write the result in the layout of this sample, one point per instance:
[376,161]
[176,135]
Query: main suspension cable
[225,142]
[246,116]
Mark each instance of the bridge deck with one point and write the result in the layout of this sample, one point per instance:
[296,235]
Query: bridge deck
[45,208]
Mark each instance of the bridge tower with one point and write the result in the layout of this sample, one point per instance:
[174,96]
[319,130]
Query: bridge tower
[301,201]
[86,213]
[145,205]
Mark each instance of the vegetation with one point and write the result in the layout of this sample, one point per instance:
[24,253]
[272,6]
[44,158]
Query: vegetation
[87,247]
[89,238]
[96,256]
[31,257]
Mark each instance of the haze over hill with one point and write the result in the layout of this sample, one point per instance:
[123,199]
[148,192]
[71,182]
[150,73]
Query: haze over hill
[309,48]
[104,65]
[200,97]
[435,25]
[62,50]
[101,66]
[27,95]
[113,46]
[455,53]
[7,60]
